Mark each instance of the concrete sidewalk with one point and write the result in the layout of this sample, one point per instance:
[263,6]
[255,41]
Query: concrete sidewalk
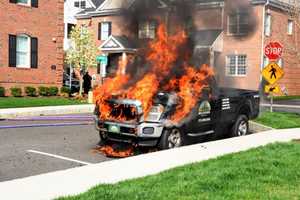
[78,180]
[47,110]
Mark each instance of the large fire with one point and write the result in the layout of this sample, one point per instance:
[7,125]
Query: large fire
[163,55]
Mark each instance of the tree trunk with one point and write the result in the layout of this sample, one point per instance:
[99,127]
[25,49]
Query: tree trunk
[81,85]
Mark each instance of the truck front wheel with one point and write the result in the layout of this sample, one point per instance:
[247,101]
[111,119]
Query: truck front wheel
[103,138]
[240,127]
[171,138]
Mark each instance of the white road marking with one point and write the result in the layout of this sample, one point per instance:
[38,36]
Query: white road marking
[59,157]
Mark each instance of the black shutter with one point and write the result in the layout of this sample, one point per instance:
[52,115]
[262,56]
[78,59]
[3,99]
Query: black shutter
[12,51]
[99,31]
[98,68]
[12,1]
[34,52]
[109,28]
[35,3]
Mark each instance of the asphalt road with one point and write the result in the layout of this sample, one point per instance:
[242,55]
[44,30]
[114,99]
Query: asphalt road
[36,150]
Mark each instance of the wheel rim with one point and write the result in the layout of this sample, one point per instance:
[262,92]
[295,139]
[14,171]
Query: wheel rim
[243,128]
[174,139]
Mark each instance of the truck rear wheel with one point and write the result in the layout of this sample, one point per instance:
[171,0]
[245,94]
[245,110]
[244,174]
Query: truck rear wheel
[240,127]
[171,138]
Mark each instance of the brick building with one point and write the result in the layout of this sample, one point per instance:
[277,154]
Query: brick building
[31,43]
[230,34]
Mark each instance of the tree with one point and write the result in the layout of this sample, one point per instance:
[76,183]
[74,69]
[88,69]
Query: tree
[82,53]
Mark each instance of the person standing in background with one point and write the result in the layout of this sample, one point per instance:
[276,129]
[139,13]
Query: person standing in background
[87,83]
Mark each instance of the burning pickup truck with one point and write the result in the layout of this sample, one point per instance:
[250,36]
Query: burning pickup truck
[172,101]
[226,111]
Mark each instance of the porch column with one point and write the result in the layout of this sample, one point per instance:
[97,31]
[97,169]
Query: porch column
[124,61]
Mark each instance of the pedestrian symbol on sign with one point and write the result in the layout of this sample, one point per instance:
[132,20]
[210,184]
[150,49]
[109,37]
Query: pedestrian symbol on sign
[273,72]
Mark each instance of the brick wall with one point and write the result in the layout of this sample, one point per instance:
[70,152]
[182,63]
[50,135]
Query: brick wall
[45,23]
[251,45]
[290,56]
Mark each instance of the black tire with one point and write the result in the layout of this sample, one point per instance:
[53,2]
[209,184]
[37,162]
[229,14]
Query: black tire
[171,138]
[103,139]
[240,127]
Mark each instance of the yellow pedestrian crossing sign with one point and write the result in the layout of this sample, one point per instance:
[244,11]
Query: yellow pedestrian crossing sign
[272,73]
[273,89]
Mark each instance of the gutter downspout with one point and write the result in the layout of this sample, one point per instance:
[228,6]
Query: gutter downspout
[263,43]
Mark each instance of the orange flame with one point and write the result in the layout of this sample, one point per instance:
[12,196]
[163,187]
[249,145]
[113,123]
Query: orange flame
[162,55]
[111,152]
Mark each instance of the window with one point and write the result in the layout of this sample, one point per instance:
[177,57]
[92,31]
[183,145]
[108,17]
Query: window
[70,28]
[80,4]
[268,21]
[76,4]
[83,5]
[238,23]
[23,1]
[32,3]
[104,30]
[267,61]
[23,51]
[147,29]
[280,62]
[290,27]
[236,65]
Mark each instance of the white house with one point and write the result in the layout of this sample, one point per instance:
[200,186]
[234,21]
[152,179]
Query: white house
[71,8]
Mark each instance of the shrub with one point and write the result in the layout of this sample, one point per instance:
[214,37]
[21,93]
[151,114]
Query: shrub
[53,91]
[31,91]
[2,92]
[16,92]
[43,91]
[65,90]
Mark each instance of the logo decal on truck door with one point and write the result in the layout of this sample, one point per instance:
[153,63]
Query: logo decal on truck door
[204,108]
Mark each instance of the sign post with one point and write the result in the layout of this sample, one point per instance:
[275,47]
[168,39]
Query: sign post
[273,72]
[103,60]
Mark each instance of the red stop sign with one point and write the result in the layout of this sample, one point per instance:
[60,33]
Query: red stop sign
[273,50]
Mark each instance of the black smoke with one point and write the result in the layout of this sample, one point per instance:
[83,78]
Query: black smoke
[180,13]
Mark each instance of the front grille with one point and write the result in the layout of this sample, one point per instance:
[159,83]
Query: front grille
[124,129]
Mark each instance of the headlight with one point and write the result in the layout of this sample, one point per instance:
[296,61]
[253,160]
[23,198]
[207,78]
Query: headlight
[148,130]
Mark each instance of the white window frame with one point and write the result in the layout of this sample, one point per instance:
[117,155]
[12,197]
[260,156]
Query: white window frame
[148,34]
[236,65]
[290,27]
[106,32]
[268,24]
[27,4]
[28,64]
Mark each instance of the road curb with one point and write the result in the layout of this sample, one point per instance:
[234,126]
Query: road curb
[257,127]
[49,110]
[280,106]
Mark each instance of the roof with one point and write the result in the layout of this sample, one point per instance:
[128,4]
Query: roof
[205,38]
[111,7]
[97,3]
[115,4]
[118,44]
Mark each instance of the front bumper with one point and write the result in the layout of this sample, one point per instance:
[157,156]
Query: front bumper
[131,133]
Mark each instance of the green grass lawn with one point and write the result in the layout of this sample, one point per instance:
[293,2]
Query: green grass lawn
[12,102]
[271,172]
[279,120]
